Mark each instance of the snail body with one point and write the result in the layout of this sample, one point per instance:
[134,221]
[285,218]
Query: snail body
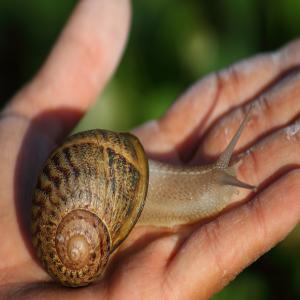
[92,190]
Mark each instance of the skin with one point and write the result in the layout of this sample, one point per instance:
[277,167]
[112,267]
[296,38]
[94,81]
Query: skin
[183,263]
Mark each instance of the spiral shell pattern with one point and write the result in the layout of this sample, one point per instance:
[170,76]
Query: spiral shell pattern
[88,197]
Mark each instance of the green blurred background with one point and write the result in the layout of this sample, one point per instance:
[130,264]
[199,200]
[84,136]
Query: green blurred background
[172,44]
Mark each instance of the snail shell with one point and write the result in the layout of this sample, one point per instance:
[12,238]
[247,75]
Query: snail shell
[88,197]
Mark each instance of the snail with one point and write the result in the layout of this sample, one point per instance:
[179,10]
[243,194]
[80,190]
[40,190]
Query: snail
[98,184]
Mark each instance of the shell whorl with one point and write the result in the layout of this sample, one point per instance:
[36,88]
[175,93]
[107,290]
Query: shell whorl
[82,243]
[88,197]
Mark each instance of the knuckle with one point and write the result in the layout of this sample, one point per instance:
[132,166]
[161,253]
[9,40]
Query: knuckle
[292,132]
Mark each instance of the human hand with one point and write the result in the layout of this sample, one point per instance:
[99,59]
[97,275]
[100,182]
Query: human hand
[184,263]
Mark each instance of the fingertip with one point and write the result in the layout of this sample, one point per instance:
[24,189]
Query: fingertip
[288,55]
[88,50]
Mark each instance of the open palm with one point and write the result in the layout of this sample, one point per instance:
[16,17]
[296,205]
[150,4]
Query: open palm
[184,263]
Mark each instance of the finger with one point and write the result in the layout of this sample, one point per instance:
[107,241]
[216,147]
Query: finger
[218,251]
[272,110]
[273,156]
[77,68]
[214,95]
[80,64]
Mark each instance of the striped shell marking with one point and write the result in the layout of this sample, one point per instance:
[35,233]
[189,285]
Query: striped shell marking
[89,195]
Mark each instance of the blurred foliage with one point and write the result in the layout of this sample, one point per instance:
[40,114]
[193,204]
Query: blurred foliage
[172,44]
